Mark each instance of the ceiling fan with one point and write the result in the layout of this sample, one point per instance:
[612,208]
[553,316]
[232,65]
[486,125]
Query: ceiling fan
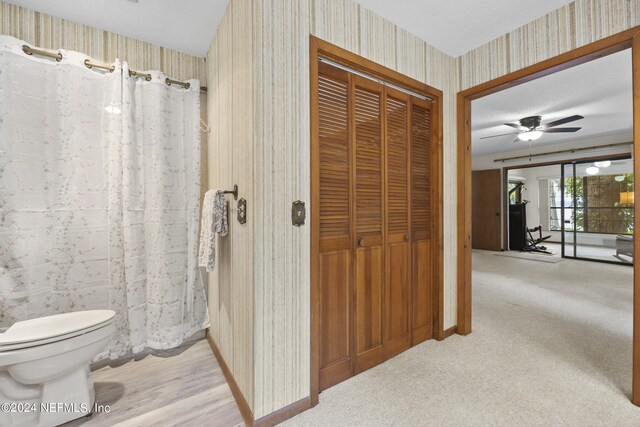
[529,128]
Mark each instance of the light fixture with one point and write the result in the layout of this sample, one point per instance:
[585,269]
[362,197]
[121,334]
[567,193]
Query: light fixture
[619,178]
[592,170]
[530,135]
[604,164]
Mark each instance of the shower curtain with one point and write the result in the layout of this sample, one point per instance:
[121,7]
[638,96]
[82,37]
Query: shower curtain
[99,197]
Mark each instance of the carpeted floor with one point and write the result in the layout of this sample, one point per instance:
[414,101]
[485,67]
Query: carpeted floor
[551,346]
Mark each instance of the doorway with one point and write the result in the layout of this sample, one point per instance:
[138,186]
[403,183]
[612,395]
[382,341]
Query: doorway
[613,44]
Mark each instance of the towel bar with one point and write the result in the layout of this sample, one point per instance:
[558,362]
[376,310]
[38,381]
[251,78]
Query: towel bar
[234,192]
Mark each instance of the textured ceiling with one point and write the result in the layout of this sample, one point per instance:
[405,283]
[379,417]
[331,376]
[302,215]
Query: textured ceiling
[599,90]
[458,26]
[184,25]
[453,26]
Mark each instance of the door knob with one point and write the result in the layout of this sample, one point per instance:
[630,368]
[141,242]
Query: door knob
[361,242]
[406,237]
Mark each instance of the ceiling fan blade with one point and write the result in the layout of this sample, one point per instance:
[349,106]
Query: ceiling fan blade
[495,136]
[562,130]
[516,125]
[563,121]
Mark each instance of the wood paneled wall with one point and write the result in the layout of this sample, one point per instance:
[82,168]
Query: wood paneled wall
[230,109]
[49,32]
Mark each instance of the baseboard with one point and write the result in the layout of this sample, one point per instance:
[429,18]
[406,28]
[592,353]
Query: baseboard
[273,418]
[245,410]
[284,414]
[446,333]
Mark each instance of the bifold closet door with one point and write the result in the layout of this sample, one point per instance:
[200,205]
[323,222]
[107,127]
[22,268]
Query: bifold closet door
[398,240]
[368,222]
[421,197]
[375,247]
[335,262]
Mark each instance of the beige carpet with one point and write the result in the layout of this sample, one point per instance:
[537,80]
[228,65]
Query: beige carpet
[550,348]
[531,256]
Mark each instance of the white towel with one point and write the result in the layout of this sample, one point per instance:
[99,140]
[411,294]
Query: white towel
[214,221]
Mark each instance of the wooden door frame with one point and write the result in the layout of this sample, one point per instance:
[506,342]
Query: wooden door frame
[616,43]
[320,48]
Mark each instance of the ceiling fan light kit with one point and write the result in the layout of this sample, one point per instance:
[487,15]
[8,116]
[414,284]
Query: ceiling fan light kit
[530,135]
[603,165]
[593,170]
[530,128]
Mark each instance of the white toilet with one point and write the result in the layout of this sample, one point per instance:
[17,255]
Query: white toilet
[44,365]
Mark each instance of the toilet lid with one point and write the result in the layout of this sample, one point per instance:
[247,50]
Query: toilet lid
[46,329]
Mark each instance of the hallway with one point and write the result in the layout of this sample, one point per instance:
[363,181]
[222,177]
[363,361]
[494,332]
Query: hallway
[551,345]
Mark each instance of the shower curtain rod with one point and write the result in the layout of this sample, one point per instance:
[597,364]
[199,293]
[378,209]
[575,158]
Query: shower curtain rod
[110,68]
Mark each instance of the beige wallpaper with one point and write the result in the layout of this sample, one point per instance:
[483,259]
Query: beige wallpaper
[230,109]
[579,23]
[49,32]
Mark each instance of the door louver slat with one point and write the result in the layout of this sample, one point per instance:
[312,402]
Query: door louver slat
[420,162]
[334,157]
[368,162]
[397,175]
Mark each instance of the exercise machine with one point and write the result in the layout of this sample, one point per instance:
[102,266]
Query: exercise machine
[521,237]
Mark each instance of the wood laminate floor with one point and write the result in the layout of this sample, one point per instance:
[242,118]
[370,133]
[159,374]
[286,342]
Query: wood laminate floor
[181,387]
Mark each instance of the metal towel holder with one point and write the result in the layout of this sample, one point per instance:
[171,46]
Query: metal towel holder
[234,192]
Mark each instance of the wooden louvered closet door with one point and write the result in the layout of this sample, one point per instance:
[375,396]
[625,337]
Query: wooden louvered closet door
[368,222]
[374,255]
[335,216]
[421,222]
[398,196]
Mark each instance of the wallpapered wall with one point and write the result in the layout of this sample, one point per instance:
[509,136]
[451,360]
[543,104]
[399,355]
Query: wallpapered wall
[49,32]
[575,25]
[230,105]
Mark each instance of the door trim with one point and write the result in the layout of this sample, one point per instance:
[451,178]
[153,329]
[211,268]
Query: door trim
[616,43]
[319,48]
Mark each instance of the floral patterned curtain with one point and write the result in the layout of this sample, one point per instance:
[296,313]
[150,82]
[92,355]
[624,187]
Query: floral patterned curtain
[99,197]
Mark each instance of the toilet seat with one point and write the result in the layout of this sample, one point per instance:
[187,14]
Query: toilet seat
[44,330]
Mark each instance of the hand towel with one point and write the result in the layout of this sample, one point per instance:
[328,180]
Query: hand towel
[214,221]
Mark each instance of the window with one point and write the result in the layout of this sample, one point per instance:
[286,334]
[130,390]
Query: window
[602,204]
[515,192]
[555,204]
